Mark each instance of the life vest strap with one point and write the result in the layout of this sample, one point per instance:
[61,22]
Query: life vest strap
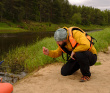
[68,56]
[75,28]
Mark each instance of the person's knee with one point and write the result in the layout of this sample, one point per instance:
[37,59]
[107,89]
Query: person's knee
[63,72]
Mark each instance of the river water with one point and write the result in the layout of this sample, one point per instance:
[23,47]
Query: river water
[12,40]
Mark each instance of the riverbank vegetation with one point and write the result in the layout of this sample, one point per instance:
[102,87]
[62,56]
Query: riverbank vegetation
[31,57]
[12,28]
[9,27]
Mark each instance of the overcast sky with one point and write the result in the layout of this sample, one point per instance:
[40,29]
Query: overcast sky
[100,4]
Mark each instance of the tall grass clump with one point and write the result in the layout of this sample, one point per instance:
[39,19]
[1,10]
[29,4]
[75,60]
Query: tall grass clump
[36,57]
[103,39]
[31,57]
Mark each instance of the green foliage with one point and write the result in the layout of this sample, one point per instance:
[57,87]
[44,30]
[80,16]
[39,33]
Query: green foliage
[10,28]
[31,57]
[103,39]
[4,25]
[76,18]
[55,11]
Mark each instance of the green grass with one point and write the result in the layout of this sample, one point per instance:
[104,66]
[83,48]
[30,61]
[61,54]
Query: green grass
[9,27]
[31,57]
[103,39]
[92,27]
[97,63]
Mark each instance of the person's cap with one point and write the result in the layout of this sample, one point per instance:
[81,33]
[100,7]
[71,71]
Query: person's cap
[60,34]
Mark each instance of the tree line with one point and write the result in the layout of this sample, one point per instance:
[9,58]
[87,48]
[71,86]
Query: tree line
[55,11]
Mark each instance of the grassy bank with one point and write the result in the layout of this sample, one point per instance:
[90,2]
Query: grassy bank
[9,27]
[103,39]
[31,57]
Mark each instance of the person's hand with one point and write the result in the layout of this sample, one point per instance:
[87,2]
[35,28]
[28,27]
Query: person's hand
[45,51]
[72,54]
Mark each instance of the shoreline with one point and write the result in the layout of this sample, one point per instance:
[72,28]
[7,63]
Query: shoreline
[10,27]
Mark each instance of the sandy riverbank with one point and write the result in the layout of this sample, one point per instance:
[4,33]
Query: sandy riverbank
[49,79]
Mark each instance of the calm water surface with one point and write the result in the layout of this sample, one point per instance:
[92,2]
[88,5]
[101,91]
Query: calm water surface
[10,41]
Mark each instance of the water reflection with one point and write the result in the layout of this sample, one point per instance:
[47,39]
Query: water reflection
[10,41]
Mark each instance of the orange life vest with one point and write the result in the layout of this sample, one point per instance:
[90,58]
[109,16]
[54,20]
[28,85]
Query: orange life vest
[73,41]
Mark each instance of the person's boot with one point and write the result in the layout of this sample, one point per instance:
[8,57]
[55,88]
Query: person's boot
[84,78]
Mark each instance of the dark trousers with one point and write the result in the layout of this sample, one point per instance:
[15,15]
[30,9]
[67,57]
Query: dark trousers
[83,61]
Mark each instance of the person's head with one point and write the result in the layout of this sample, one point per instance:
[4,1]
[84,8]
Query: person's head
[60,36]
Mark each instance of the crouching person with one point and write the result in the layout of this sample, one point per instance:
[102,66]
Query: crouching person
[79,45]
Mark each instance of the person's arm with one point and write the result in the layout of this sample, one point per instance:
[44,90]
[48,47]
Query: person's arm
[83,42]
[52,53]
